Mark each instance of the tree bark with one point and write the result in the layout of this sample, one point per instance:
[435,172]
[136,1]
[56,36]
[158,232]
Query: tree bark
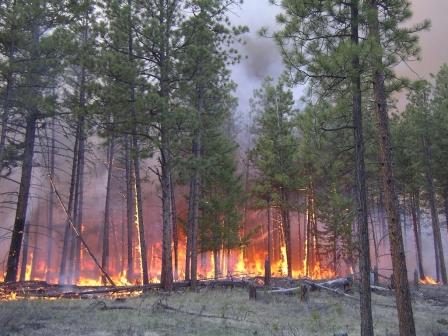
[26,238]
[22,201]
[287,230]
[440,258]
[402,293]
[415,226]
[129,211]
[49,270]
[175,230]
[66,247]
[361,197]
[106,223]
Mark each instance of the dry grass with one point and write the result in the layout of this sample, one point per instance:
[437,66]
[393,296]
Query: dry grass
[209,312]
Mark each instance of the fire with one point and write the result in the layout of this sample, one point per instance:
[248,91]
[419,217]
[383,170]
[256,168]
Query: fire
[428,281]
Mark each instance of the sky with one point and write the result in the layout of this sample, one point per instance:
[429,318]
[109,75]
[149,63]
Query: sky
[263,58]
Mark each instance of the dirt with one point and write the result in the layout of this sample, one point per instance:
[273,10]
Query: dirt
[216,312]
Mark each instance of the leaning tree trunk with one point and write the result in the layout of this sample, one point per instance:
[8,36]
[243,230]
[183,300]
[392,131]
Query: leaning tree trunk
[27,163]
[415,226]
[106,224]
[440,259]
[361,196]
[22,201]
[402,292]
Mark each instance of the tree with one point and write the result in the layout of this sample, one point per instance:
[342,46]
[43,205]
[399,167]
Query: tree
[320,42]
[274,151]
[405,45]
[40,59]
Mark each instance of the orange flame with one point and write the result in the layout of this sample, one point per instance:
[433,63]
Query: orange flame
[428,281]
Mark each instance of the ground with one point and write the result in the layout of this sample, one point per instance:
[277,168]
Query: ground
[213,312]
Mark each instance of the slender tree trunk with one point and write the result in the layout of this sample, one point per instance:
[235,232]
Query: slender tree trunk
[75,255]
[197,146]
[166,277]
[106,224]
[189,230]
[35,258]
[440,258]
[287,231]
[300,242]
[175,230]
[49,270]
[136,161]
[216,263]
[66,247]
[129,211]
[269,247]
[415,226]
[26,238]
[139,208]
[361,195]
[308,236]
[445,205]
[402,293]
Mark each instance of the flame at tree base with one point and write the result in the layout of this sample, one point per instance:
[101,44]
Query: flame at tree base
[428,281]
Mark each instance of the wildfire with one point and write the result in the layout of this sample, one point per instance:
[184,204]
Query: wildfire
[428,281]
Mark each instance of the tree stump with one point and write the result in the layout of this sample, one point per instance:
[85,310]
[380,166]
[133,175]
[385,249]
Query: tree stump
[267,272]
[304,293]
[252,292]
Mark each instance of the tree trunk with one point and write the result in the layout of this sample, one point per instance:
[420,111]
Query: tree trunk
[440,259]
[445,205]
[415,226]
[402,293]
[361,197]
[166,277]
[216,263]
[139,208]
[66,247]
[26,238]
[269,247]
[49,271]
[22,201]
[287,231]
[129,211]
[175,230]
[136,161]
[75,254]
[308,237]
[195,194]
[106,224]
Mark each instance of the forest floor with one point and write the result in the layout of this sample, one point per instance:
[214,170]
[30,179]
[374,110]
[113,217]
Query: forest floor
[217,312]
